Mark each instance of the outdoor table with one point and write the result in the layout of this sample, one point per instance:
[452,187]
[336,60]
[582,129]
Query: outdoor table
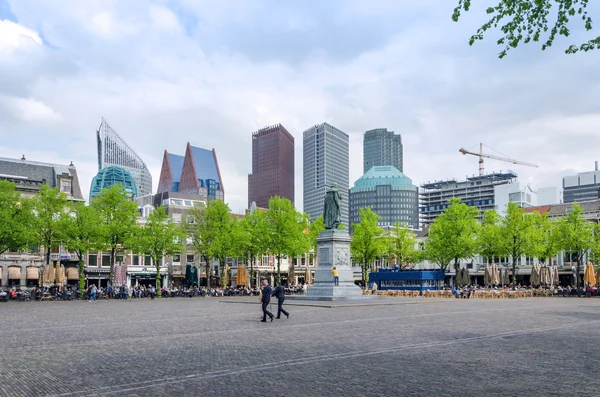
[46,296]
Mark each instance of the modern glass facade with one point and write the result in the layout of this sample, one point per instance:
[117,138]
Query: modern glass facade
[326,162]
[581,188]
[114,151]
[111,176]
[382,147]
[389,193]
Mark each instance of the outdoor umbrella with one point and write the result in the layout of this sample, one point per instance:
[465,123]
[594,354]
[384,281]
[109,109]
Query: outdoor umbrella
[589,275]
[466,277]
[495,275]
[49,275]
[505,276]
[487,279]
[586,274]
[556,277]
[598,277]
[534,279]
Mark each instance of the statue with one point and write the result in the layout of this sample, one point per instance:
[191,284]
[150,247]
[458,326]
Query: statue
[332,215]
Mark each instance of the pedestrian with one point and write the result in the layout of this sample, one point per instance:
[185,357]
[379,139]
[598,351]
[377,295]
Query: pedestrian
[336,278]
[265,300]
[130,292]
[279,293]
[110,291]
[94,291]
[152,291]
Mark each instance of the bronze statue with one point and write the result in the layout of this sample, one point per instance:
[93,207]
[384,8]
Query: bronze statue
[332,214]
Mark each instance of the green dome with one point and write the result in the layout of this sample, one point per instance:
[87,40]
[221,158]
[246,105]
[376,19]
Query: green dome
[110,176]
[383,175]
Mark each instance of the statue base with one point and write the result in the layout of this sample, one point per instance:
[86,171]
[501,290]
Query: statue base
[334,250]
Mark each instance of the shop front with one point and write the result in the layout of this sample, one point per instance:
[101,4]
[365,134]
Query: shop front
[97,276]
[146,276]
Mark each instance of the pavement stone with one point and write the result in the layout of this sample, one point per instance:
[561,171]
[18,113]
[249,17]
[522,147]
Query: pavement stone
[217,347]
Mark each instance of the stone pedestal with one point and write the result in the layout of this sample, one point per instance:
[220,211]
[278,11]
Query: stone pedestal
[334,250]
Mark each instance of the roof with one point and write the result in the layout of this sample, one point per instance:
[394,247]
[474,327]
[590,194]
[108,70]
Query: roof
[383,175]
[110,176]
[176,162]
[542,209]
[562,209]
[205,164]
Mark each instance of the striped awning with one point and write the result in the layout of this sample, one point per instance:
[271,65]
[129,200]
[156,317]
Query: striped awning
[33,273]
[72,273]
[14,273]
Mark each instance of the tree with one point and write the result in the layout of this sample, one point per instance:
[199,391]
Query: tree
[524,21]
[195,227]
[15,219]
[253,238]
[401,243]
[118,221]
[576,236]
[81,233]
[218,234]
[545,238]
[159,237]
[48,206]
[453,235]
[489,242]
[286,228]
[516,232]
[366,244]
[595,251]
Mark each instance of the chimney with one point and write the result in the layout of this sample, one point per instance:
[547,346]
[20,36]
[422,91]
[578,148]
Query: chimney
[596,165]
[71,165]
[23,158]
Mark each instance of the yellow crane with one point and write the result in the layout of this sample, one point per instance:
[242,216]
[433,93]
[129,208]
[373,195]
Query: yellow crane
[481,155]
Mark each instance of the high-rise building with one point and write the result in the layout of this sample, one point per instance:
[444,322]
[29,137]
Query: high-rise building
[583,187]
[382,147]
[114,151]
[272,166]
[196,173]
[110,176]
[389,193]
[326,163]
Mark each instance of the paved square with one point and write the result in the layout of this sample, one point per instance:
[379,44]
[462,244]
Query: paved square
[204,347]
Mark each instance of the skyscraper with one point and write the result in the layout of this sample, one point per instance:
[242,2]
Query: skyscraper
[326,162]
[381,148]
[272,165]
[114,151]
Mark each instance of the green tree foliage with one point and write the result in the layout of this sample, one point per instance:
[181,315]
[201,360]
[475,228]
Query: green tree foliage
[524,21]
[489,242]
[15,219]
[400,244]
[545,238]
[118,221]
[250,237]
[48,206]
[159,237]
[286,229]
[576,236]
[516,233]
[218,224]
[314,229]
[196,229]
[81,233]
[595,251]
[453,235]
[367,244]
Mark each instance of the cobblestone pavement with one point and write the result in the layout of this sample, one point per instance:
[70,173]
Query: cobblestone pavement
[204,347]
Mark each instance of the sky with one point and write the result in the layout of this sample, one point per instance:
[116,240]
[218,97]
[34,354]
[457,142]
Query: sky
[167,72]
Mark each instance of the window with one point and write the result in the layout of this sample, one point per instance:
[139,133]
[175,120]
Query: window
[136,260]
[147,261]
[93,260]
[105,260]
[177,258]
[190,259]
[65,186]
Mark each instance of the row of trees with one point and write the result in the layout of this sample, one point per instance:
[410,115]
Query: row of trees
[457,234]
[110,223]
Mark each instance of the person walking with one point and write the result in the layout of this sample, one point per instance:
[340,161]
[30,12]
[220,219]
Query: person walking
[265,300]
[110,291]
[130,292]
[93,294]
[152,292]
[336,278]
[279,293]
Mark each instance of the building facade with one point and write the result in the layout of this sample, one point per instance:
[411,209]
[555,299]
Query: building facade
[272,166]
[389,193]
[114,151]
[326,162]
[111,176]
[196,173]
[477,191]
[382,147]
[583,187]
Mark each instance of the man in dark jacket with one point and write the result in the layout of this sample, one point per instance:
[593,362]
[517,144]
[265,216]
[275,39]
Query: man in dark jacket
[265,300]
[280,295]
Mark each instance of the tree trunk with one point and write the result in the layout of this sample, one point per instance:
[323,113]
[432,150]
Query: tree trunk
[157,264]
[279,269]
[111,273]
[578,271]
[81,279]
[207,272]
[222,271]
[514,273]
[456,271]
[251,271]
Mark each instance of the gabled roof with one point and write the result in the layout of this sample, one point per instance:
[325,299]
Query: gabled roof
[205,164]
[176,162]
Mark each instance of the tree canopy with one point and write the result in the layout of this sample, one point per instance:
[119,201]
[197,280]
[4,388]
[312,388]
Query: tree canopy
[366,244]
[400,244]
[525,21]
[15,219]
[489,240]
[49,206]
[576,236]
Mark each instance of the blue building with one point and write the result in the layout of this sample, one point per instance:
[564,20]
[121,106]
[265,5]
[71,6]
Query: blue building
[111,176]
[389,193]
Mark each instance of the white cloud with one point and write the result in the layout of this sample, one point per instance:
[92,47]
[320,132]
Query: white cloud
[30,110]
[165,19]
[14,36]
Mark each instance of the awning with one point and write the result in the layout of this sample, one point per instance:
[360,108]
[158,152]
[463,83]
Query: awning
[177,276]
[33,273]
[72,273]
[14,273]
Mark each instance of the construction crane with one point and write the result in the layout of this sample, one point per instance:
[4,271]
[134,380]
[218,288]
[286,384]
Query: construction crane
[481,155]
